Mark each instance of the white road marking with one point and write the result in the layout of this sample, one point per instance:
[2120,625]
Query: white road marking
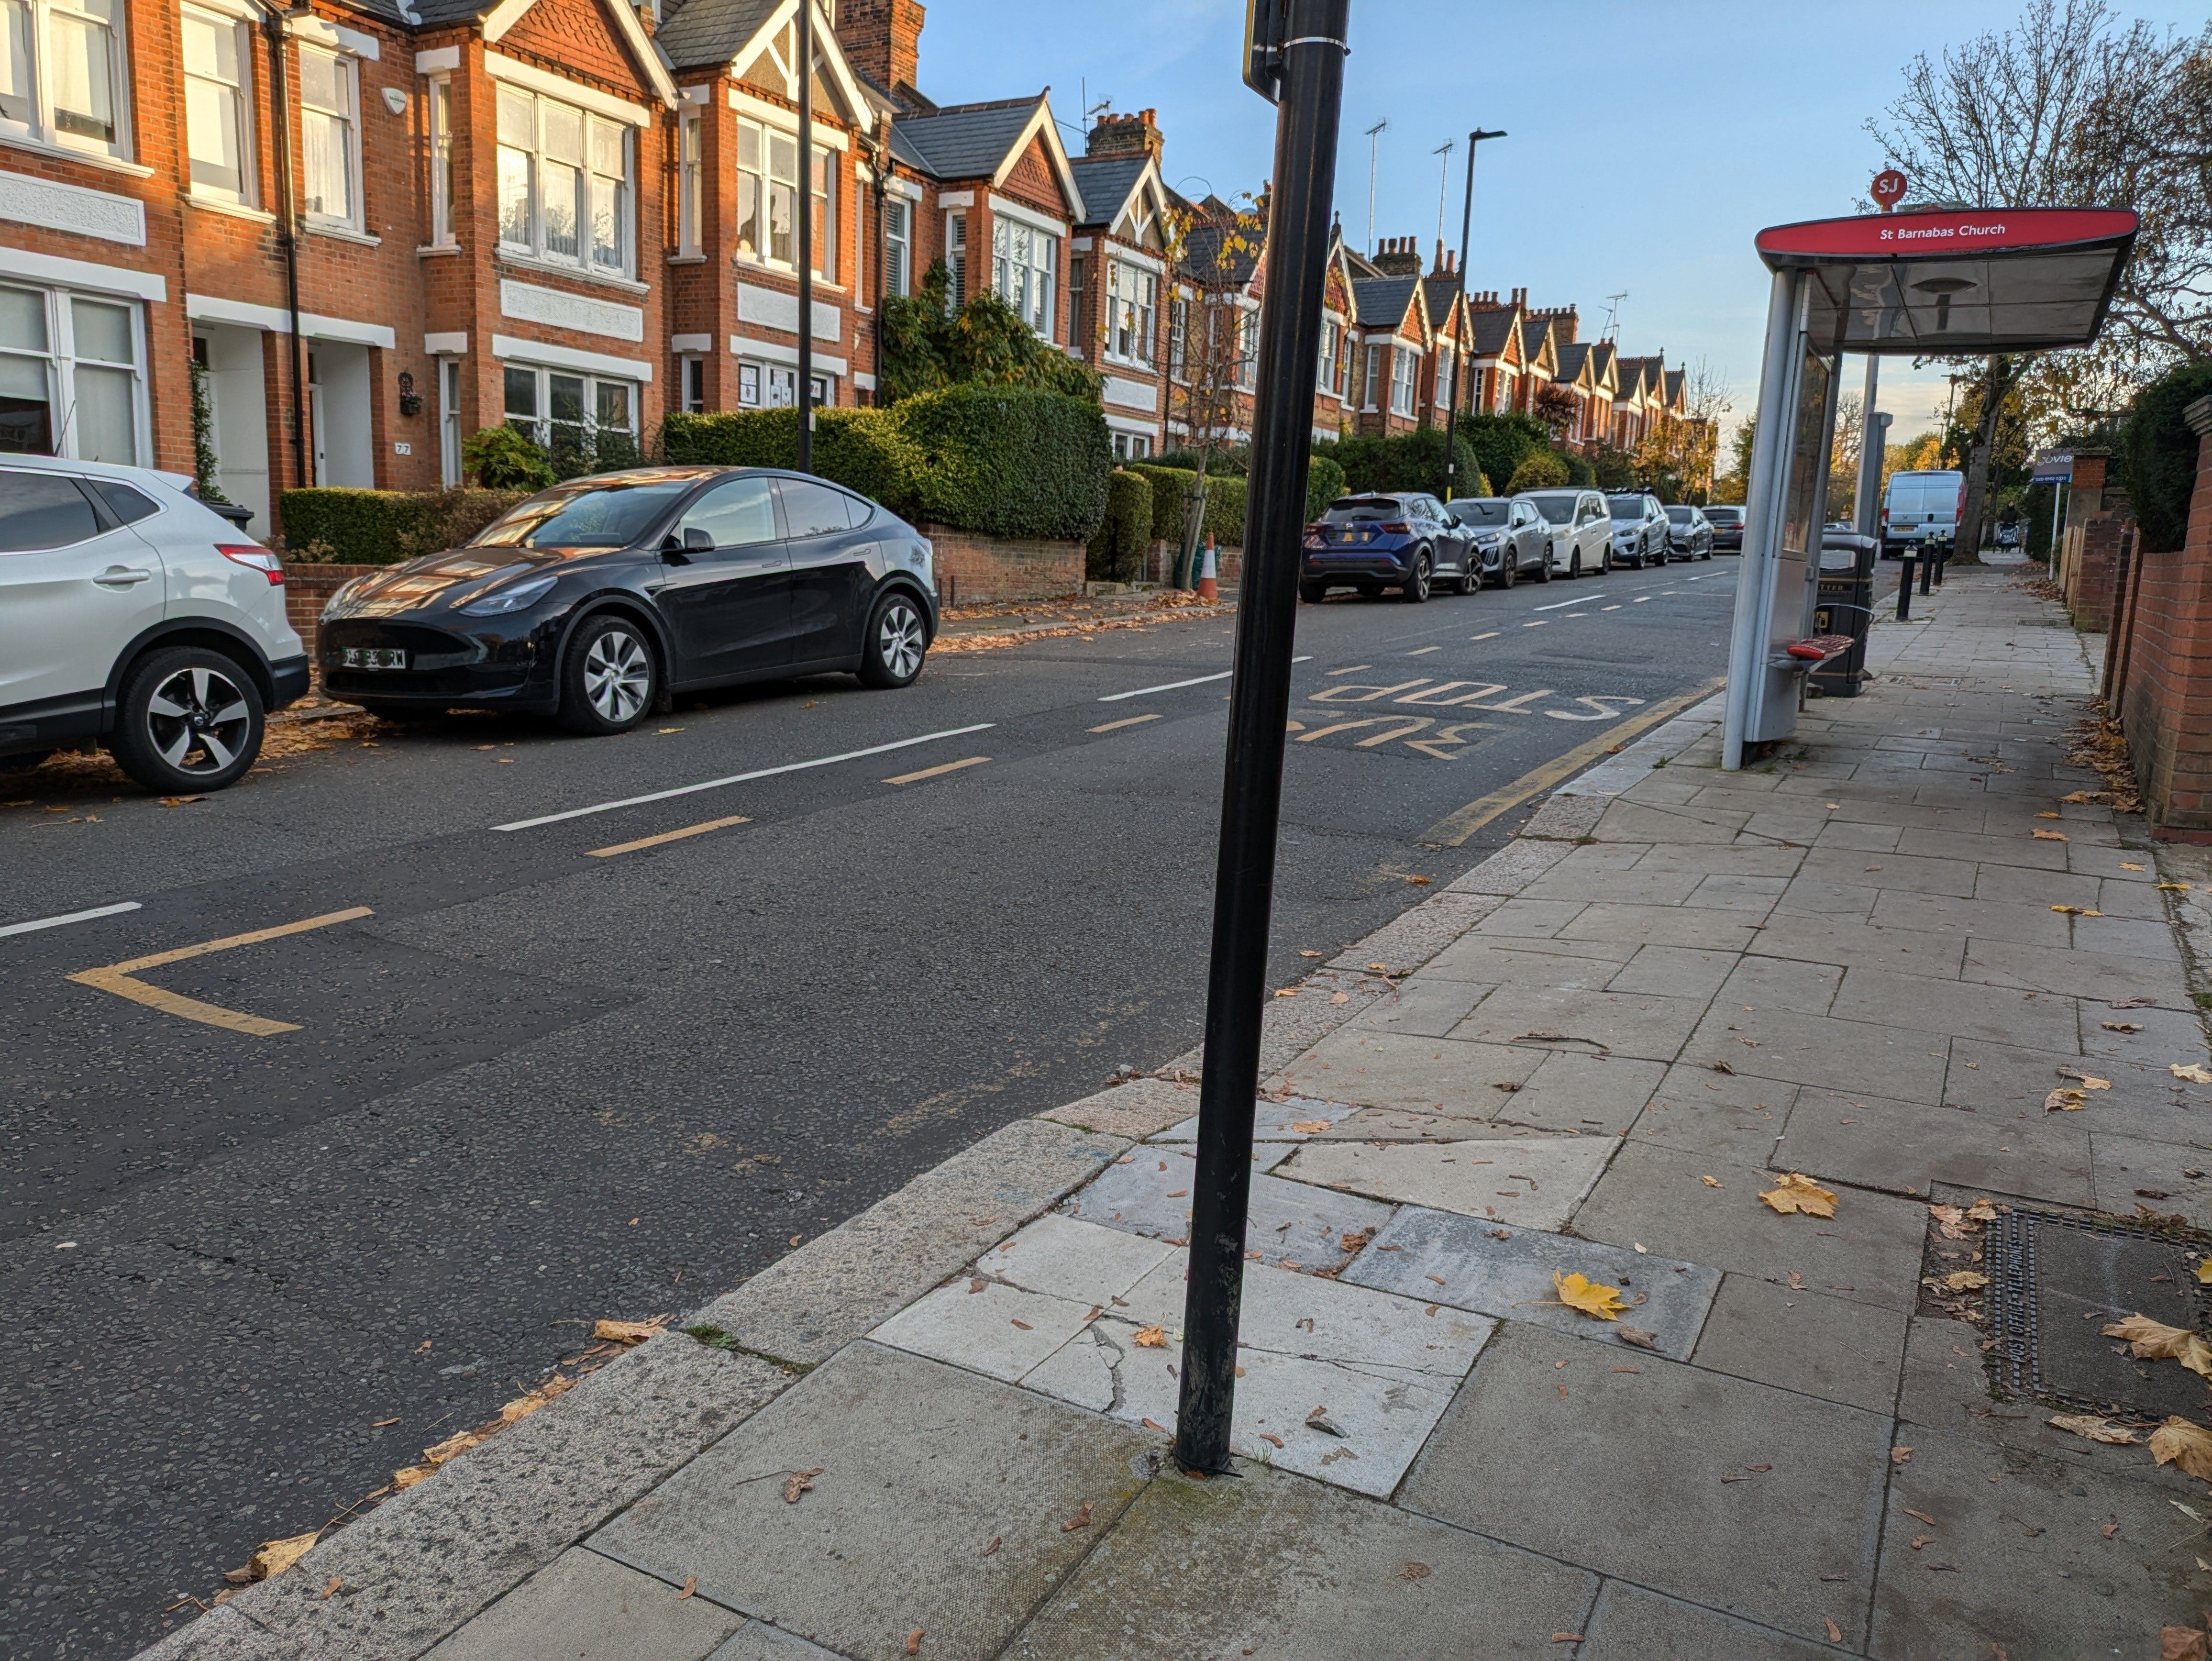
[1424,651]
[1537,623]
[1492,635]
[1174,686]
[938,771]
[67,917]
[744,778]
[1639,599]
[1127,720]
[1555,605]
[1608,608]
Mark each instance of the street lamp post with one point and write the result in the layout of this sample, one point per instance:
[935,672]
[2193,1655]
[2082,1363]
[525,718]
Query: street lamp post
[1466,226]
[1296,58]
[805,237]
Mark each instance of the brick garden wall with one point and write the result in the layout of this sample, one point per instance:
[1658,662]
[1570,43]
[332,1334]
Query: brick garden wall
[308,588]
[2163,693]
[976,570]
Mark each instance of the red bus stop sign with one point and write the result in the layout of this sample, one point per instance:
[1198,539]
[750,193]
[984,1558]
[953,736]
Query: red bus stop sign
[1889,187]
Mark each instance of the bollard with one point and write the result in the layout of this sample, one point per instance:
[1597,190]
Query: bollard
[1905,589]
[1942,559]
[1927,569]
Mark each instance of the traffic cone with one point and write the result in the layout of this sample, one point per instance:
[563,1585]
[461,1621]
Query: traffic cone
[1209,590]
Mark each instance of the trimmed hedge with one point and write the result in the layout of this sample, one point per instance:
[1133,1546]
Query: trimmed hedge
[1404,461]
[863,450]
[1324,484]
[382,527]
[1009,462]
[1502,442]
[1225,505]
[1117,552]
[1541,472]
[2158,456]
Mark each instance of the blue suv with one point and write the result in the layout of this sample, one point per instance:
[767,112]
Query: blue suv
[1371,542]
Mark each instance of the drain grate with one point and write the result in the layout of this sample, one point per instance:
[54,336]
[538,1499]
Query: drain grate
[2056,1281]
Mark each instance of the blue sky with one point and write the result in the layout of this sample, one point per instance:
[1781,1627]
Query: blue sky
[1648,142]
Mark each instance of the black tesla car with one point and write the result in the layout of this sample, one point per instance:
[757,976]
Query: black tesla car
[593,600]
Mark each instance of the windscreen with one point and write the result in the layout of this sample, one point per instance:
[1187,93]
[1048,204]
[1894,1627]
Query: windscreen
[1681,515]
[1353,510]
[1728,516]
[1557,506]
[584,515]
[1481,515]
[1631,508]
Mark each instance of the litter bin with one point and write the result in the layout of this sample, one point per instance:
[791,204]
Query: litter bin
[1846,606]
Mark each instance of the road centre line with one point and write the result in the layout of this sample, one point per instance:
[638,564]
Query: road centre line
[117,978]
[1492,635]
[1423,651]
[1177,685]
[67,917]
[1555,605]
[668,836]
[1354,668]
[1127,720]
[1537,623]
[1608,608]
[941,769]
[745,778]
[1639,599]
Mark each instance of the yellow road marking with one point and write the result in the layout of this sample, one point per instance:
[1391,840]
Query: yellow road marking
[933,772]
[1132,720]
[1424,651]
[1349,669]
[1492,635]
[1409,724]
[669,835]
[1456,828]
[117,977]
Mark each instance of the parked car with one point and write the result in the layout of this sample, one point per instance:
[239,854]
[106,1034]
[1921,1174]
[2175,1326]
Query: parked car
[132,616]
[1509,537]
[1640,534]
[1689,533]
[1371,542]
[594,601]
[1919,509]
[1577,532]
[1727,521]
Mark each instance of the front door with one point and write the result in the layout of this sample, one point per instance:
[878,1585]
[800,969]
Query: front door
[829,578]
[75,588]
[729,603]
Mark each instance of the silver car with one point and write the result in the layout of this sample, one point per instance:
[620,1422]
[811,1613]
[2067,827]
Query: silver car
[1639,529]
[1510,537]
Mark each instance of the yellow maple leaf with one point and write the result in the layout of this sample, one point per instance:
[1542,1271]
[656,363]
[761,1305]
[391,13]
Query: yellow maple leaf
[2204,1271]
[2178,1442]
[1800,1193]
[1577,1292]
[1150,1338]
[2049,835]
[2096,1428]
[275,1556]
[2190,1074]
[2154,1341]
[2064,1101]
[1965,1280]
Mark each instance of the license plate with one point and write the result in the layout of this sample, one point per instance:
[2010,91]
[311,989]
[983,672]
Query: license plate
[372,657]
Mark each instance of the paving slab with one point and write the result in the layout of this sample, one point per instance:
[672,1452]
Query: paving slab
[1535,1182]
[1809,897]
[584,1607]
[756,1640]
[1968,1009]
[1630,1624]
[2016,885]
[1278,1568]
[1590,1095]
[2127,937]
[2075,974]
[1836,1348]
[2026,925]
[1646,1026]
[1621,1472]
[1818,1049]
[1273,1120]
[1394,1069]
[1425,1008]
[1675,970]
[1136,1109]
[1739,1118]
[1295,1220]
[999,1331]
[1493,1269]
[1662,925]
[1498,959]
[2022,849]
[1888,872]
[2167,1177]
[1657,1197]
[1857,945]
[920,1466]
[1521,919]
[2017,1079]
[2017,1557]
[1802,989]
[1908,1148]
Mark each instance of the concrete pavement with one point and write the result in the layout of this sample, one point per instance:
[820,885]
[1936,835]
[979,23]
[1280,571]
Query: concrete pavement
[1910,957]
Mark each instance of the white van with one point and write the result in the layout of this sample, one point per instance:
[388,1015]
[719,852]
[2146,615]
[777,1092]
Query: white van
[1920,509]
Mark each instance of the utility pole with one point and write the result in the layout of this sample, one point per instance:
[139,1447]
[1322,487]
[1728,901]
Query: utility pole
[1466,226]
[1295,58]
[1374,148]
[805,237]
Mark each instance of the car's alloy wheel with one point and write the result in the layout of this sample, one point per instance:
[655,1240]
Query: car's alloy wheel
[896,643]
[191,718]
[1416,588]
[611,679]
[1551,555]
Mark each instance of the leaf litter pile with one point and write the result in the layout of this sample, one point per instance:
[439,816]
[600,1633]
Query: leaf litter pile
[2098,744]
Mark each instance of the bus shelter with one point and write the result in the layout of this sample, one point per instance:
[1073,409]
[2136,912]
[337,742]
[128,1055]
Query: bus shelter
[1953,282]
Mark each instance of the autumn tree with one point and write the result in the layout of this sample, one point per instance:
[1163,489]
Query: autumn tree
[1214,249]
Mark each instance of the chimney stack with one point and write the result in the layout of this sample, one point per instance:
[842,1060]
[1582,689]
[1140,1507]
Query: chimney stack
[1398,257]
[882,39]
[1125,134]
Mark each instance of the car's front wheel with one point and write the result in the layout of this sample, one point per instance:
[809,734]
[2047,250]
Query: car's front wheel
[610,677]
[1551,556]
[188,719]
[898,641]
[1509,567]
[1415,589]
[1575,566]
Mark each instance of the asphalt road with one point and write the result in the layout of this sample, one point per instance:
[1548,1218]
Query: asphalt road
[538,1082]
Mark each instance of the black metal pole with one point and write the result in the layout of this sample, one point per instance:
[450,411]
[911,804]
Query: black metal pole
[1305,183]
[1905,587]
[1466,226]
[806,236]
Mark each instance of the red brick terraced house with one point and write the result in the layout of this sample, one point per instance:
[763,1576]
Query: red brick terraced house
[1442,293]
[1638,403]
[1396,339]
[1540,356]
[1498,372]
[1119,289]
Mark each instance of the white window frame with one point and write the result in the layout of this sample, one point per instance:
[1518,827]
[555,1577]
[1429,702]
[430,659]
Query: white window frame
[1028,284]
[240,95]
[1405,376]
[956,252]
[898,246]
[1373,380]
[1133,298]
[539,426]
[1247,347]
[40,122]
[1178,336]
[349,70]
[1332,338]
[440,116]
[449,419]
[60,361]
[1130,447]
[689,202]
[692,384]
[827,202]
[591,124]
[768,185]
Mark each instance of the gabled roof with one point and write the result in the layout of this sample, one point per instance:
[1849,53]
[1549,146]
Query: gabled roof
[1574,361]
[1673,389]
[1535,339]
[713,31]
[734,36]
[1603,357]
[1494,333]
[973,140]
[1442,294]
[500,15]
[1115,184]
[1383,303]
[1217,250]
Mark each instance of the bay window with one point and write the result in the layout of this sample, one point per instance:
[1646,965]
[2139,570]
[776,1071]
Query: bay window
[1132,299]
[218,95]
[62,75]
[70,383]
[898,246]
[1023,263]
[329,135]
[564,183]
[585,422]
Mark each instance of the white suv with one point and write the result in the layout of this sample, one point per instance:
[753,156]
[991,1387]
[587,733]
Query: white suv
[133,614]
[1578,528]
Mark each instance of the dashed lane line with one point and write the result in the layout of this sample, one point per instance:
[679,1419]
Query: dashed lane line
[1177,685]
[119,978]
[1557,605]
[665,836]
[1126,720]
[68,917]
[938,771]
[1492,635]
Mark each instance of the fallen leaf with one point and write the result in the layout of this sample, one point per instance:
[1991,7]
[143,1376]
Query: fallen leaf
[2079,797]
[1309,1126]
[1711,1182]
[1950,1222]
[1340,997]
[380,1423]
[330,1586]
[1287,992]
[2204,1272]
[1313,954]
[1982,1212]
[2108,1529]
[1080,1520]
[403,1479]
[2180,1644]
[2050,836]
[2065,1101]
[1151,1425]
[2173,888]
[913,1642]
[1150,1338]
[1566,1637]
[2190,1074]
[2047,814]
[2075,911]
[1379,968]
[1797,1192]
[691,1585]
[275,1556]
[976,1283]
[1270,1436]
[798,1482]
[1024,1326]
[1965,1280]
[1922,1515]
[2121,1026]
[1900,1456]
[179,801]
[996,1542]
[1577,1292]
[1415,1572]
[2087,1080]
[625,1332]
[1637,1336]
[2138,1001]
[1920,1540]
[2154,1341]
[1835,1632]
[1418,882]
[1723,1067]
[2095,1427]
[452,1448]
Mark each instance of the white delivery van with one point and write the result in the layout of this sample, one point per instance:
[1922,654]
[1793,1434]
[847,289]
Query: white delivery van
[1921,508]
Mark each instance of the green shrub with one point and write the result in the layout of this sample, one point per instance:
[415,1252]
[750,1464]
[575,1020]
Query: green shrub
[2158,456]
[1225,461]
[929,345]
[1117,552]
[1324,484]
[500,459]
[382,527]
[1402,461]
[1502,442]
[1579,470]
[1170,492]
[1007,461]
[863,450]
[1542,472]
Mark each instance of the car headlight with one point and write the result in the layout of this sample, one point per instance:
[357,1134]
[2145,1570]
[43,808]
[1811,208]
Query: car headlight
[517,598]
